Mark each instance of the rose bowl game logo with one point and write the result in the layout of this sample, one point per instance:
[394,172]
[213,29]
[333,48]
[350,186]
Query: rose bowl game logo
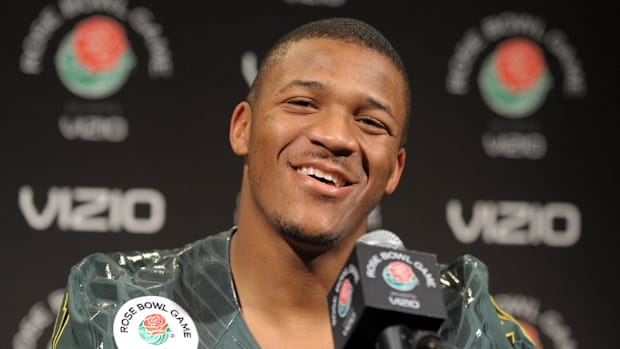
[345,297]
[154,329]
[514,79]
[94,60]
[151,322]
[516,62]
[400,276]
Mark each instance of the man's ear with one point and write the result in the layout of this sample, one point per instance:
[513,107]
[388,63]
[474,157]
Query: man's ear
[397,171]
[239,133]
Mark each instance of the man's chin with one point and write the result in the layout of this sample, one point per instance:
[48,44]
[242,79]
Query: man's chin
[307,242]
[317,240]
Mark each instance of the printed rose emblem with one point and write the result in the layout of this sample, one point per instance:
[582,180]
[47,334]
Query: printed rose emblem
[345,292]
[94,60]
[345,297]
[520,64]
[400,276]
[155,324]
[401,271]
[154,329]
[99,43]
[514,79]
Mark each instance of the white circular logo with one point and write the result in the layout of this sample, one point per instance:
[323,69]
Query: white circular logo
[149,322]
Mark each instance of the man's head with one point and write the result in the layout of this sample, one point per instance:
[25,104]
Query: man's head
[342,29]
[322,134]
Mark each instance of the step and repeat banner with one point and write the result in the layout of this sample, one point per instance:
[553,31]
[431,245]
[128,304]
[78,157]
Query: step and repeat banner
[114,137]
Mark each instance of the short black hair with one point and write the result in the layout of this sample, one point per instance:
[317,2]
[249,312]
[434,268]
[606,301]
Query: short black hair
[348,30]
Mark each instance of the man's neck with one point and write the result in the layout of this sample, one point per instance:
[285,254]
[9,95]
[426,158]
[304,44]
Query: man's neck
[266,261]
[282,292]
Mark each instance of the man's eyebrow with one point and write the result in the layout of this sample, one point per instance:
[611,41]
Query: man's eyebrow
[320,87]
[376,104]
[305,83]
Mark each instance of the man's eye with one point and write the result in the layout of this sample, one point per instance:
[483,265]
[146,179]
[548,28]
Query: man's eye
[301,102]
[373,122]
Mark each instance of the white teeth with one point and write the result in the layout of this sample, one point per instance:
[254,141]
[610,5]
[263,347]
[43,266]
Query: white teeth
[309,171]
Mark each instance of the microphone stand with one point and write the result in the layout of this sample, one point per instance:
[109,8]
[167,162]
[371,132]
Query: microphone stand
[402,337]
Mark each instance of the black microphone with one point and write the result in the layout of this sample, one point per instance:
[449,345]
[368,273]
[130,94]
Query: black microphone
[386,297]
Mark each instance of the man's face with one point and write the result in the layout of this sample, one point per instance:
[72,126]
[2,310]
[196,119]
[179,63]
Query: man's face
[323,139]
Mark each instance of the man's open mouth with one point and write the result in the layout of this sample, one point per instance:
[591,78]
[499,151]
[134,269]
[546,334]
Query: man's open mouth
[329,178]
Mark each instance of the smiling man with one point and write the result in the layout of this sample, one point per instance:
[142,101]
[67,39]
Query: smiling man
[322,136]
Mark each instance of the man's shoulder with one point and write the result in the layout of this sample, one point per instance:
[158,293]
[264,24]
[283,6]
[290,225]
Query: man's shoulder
[101,283]
[475,320]
[145,271]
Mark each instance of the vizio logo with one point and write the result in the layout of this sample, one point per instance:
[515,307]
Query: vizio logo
[95,209]
[556,224]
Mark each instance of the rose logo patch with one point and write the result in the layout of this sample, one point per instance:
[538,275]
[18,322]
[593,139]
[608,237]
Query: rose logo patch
[154,329]
[400,276]
[95,59]
[345,297]
[149,322]
[514,80]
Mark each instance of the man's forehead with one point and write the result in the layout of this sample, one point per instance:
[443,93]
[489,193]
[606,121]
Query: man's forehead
[306,57]
[302,56]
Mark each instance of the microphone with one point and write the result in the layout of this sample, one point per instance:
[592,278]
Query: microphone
[386,297]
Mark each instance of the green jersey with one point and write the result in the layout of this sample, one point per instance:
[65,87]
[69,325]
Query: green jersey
[185,298]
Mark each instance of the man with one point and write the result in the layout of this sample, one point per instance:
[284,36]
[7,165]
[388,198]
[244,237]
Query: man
[322,135]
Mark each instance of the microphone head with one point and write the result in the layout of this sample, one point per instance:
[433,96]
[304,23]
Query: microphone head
[382,238]
[383,284]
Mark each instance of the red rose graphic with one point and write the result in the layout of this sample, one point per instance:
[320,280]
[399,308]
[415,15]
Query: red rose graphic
[401,271]
[99,43]
[345,291]
[520,63]
[155,324]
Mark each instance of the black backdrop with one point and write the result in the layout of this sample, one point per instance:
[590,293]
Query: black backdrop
[149,165]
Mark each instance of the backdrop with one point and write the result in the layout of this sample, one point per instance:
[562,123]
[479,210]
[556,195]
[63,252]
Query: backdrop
[114,136]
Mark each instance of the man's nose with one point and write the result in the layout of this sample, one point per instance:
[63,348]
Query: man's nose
[335,131]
